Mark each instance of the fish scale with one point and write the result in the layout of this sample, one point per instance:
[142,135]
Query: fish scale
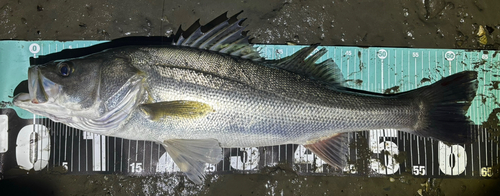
[231,99]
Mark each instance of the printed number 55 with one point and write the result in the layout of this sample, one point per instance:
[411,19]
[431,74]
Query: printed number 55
[418,170]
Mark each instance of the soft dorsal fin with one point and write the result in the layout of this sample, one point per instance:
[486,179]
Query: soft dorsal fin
[303,63]
[225,37]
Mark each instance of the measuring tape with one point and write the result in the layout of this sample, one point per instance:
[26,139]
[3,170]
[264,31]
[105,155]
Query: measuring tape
[33,142]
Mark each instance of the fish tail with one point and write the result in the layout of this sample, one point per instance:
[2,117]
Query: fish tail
[443,107]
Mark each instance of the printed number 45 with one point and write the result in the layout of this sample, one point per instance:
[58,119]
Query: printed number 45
[418,170]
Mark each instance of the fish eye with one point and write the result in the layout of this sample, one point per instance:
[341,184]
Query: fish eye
[64,69]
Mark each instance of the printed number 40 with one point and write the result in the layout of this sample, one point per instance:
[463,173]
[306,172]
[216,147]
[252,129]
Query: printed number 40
[418,170]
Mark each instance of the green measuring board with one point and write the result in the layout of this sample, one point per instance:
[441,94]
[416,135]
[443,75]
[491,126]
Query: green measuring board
[376,69]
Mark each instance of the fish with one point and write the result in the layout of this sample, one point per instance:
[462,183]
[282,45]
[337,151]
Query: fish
[211,89]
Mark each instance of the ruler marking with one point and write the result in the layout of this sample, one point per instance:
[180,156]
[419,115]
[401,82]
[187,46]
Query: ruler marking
[279,153]
[397,144]
[224,160]
[151,157]
[108,168]
[348,151]
[144,153]
[432,152]
[411,151]
[384,135]
[103,152]
[60,142]
[418,150]
[497,137]
[422,66]
[158,156]
[477,110]
[435,64]
[382,73]
[479,150]
[53,135]
[230,152]
[96,152]
[286,153]
[79,149]
[114,154]
[484,130]
[485,134]
[65,143]
[72,149]
[265,157]
[347,66]
[491,151]
[355,150]
[404,147]
[472,144]
[128,157]
[425,154]
[489,134]
[415,77]
[369,68]
[136,150]
[121,155]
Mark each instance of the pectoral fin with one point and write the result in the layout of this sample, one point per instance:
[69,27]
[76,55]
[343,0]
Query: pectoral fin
[178,108]
[191,156]
[332,150]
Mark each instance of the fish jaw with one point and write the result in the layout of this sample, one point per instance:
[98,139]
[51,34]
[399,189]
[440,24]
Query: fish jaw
[41,96]
[40,88]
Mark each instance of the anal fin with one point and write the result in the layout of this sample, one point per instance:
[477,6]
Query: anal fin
[191,156]
[332,150]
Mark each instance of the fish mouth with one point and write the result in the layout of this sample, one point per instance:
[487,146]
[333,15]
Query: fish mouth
[40,88]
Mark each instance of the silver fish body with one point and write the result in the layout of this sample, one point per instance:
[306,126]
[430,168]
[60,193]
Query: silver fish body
[196,100]
[253,105]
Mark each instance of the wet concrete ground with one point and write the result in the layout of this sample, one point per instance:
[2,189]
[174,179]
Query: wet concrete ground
[394,23]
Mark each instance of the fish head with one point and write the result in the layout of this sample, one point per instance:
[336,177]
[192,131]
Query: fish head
[86,93]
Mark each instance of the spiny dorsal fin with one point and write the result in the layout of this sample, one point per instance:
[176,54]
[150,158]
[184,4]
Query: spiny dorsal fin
[301,63]
[225,37]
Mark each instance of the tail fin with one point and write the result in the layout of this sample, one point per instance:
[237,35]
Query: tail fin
[443,108]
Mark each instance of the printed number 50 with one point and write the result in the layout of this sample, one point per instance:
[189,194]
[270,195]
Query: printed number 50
[418,170]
